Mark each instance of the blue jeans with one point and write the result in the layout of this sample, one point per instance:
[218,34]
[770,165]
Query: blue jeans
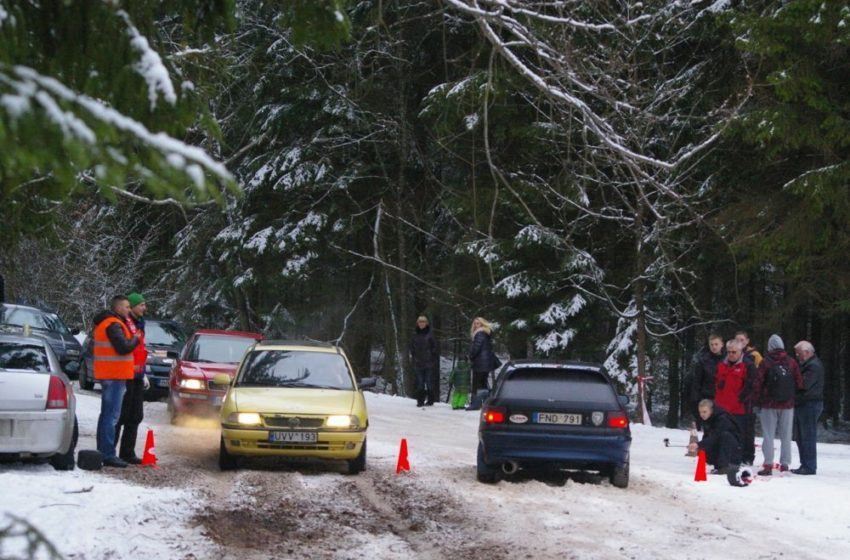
[806,414]
[423,383]
[111,398]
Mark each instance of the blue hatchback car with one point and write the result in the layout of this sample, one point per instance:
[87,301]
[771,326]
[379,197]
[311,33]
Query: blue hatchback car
[554,414]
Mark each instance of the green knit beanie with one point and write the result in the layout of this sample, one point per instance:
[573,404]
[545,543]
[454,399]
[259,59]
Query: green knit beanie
[135,299]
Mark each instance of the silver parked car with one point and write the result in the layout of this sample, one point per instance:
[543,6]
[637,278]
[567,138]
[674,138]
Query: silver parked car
[37,403]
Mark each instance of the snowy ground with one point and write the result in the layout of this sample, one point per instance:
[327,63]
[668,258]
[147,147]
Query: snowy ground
[187,509]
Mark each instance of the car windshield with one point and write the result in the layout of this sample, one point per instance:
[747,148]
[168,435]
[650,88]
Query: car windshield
[164,334]
[293,368]
[550,384]
[16,355]
[219,349]
[20,316]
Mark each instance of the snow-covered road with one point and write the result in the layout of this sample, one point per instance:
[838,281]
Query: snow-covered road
[186,508]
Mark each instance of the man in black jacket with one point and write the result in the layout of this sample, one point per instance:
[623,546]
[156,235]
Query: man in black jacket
[808,405]
[721,439]
[425,356]
[705,373]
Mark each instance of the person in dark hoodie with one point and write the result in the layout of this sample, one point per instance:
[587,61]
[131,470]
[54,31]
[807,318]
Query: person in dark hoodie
[703,383]
[425,356]
[132,406]
[721,438]
[481,355]
[808,405]
[777,379]
[113,366]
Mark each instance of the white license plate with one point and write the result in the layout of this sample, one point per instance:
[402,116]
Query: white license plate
[162,382]
[216,401]
[557,418]
[5,428]
[293,437]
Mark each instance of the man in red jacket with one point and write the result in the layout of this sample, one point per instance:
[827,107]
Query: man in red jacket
[734,385]
[132,407]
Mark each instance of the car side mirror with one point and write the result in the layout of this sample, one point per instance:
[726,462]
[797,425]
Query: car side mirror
[222,379]
[624,399]
[75,331]
[172,354]
[367,383]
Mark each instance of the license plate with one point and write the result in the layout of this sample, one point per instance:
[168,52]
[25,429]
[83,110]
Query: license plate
[293,437]
[162,382]
[216,401]
[5,428]
[557,418]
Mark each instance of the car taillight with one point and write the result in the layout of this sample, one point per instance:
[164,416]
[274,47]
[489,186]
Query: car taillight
[57,393]
[618,420]
[493,415]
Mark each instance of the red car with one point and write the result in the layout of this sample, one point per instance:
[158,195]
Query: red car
[207,353]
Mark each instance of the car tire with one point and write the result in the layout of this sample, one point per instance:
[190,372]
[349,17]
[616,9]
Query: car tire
[65,461]
[90,460]
[485,473]
[83,375]
[358,464]
[620,476]
[226,461]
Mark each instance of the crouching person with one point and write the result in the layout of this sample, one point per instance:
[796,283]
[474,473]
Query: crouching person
[721,438]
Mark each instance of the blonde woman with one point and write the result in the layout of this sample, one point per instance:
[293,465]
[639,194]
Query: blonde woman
[481,356]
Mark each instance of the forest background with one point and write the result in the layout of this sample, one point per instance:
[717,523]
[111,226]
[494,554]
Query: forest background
[605,180]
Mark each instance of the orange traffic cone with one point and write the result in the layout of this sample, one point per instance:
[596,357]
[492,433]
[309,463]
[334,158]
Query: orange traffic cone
[149,457]
[403,464]
[699,475]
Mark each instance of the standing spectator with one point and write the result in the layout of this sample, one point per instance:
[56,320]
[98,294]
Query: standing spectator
[132,406]
[113,366]
[481,355]
[425,355]
[705,372]
[777,379]
[720,439]
[734,387]
[753,359]
[808,405]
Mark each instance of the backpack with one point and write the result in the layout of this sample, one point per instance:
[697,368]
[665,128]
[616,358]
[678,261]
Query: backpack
[779,382]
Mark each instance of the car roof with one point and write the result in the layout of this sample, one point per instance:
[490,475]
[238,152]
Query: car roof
[555,364]
[19,306]
[302,345]
[240,334]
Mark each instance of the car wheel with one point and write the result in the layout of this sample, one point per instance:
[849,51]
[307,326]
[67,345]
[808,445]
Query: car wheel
[620,476]
[226,461]
[85,383]
[65,461]
[485,472]
[358,464]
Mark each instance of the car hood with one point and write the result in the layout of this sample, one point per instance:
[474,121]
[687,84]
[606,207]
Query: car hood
[282,400]
[208,369]
[158,354]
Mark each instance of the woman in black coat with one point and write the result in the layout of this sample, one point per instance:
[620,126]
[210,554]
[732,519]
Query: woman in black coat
[482,359]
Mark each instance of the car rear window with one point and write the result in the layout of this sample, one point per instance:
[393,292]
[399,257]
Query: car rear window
[219,349]
[293,368]
[558,384]
[23,356]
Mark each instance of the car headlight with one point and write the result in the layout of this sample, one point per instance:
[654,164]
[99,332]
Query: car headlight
[342,422]
[168,361]
[196,384]
[246,418]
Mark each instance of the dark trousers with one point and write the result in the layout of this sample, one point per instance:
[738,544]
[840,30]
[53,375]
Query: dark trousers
[725,451]
[747,426]
[806,414]
[479,381]
[132,413]
[434,387]
[423,384]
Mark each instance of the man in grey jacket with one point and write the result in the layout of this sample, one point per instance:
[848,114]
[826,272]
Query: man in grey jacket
[808,405]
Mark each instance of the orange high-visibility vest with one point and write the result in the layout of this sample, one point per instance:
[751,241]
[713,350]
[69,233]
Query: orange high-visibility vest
[140,354]
[109,364]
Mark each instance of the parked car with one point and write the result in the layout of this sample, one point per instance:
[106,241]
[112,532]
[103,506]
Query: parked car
[37,403]
[163,338]
[208,353]
[554,414]
[14,318]
[294,399]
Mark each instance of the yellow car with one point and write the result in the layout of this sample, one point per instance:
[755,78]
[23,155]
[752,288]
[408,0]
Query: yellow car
[293,399]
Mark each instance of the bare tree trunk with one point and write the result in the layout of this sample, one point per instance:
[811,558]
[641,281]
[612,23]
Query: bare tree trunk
[640,288]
